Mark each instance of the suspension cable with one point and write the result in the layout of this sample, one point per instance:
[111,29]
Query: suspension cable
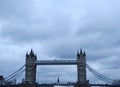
[98,75]
[15,73]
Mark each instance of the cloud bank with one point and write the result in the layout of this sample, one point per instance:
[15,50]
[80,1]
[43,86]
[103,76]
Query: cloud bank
[57,30]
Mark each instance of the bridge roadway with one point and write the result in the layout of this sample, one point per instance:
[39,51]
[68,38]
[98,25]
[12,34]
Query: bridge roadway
[56,62]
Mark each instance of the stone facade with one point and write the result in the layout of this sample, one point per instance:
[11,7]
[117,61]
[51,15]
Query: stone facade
[81,69]
[30,74]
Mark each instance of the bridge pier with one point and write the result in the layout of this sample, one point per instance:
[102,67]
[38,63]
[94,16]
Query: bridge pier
[82,85]
[30,74]
[29,85]
[81,69]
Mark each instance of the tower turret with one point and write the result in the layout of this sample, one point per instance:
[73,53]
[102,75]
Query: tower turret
[81,53]
[84,54]
[31,53]
[78,54]
[27,54]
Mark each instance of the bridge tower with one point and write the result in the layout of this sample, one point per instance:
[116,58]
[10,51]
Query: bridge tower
[81,69]
[30,74]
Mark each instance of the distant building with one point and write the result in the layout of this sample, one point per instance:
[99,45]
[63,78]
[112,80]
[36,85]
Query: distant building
[116,82]
[59,85]
[2,79]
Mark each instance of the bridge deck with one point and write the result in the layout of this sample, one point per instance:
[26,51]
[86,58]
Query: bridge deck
[56,62]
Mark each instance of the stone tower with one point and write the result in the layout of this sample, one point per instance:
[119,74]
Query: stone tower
[30,74]
[81,69]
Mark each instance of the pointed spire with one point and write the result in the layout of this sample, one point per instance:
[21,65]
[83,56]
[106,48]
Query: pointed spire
[58,81]
[35,56]
[84,53]
[78,53]
[31,52]
[81,52]
[27,54]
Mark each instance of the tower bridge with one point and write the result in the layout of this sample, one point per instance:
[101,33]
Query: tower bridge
[32,62]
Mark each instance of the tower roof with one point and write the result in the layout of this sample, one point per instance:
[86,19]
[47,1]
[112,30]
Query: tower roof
[84,53]
[81,52]
[31,52]
[27,54]
[78,53]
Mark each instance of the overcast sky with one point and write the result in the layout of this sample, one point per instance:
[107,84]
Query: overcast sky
[57,29]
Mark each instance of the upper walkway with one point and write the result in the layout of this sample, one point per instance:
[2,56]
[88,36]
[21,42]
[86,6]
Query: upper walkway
[56,62]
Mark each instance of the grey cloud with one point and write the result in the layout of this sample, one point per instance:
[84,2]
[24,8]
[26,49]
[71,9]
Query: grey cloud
[59,29]
[20,31]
